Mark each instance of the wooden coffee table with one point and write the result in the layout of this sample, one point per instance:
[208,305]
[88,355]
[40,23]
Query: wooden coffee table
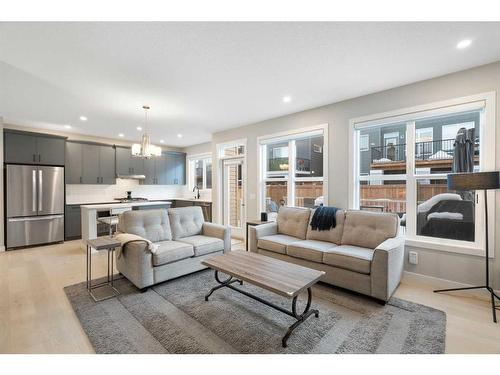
[283,278]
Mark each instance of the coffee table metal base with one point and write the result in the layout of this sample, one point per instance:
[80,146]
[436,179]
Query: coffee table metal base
[293,313]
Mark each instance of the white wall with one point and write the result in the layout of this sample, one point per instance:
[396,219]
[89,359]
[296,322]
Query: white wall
[461,268]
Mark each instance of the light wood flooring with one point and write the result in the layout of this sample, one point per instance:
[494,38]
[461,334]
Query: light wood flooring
[36,317]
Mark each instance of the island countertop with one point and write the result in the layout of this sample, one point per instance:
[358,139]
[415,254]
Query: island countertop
[103,206]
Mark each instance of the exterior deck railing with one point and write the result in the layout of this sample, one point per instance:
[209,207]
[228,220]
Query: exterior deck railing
[423,150]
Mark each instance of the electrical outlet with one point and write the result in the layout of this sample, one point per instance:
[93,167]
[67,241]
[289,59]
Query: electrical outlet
[413,257]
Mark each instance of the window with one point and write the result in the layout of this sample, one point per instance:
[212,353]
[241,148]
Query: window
[364,142]
[200,172]
[292,171]
[232,150]
[405,171]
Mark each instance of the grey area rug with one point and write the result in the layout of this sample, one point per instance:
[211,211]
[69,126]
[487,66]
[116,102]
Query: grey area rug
[173,317]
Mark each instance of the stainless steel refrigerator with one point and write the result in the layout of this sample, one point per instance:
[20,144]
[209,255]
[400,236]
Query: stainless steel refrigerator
[35,205]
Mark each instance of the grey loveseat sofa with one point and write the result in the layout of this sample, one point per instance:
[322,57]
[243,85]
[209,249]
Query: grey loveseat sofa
[362,253]
[183,240]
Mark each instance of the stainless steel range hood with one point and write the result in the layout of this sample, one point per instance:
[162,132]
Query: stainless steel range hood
[131,176]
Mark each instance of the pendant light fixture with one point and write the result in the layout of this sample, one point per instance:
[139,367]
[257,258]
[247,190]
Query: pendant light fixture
[145,149]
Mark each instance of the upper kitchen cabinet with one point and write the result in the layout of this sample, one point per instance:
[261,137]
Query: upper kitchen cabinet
[126,164]
[73,170]
[176,168]
[90,163]
[155,170]
[33,148]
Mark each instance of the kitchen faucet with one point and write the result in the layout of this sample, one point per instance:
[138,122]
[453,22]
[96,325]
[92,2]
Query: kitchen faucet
[197,196]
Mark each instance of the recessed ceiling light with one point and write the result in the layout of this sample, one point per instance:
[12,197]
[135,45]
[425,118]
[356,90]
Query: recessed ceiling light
[121,135]
[67,126]
[464,43]
[162,141]
[139,128]
[83,118]
[179,135]
[287,99]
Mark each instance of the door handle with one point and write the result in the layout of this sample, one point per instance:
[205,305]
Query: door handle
[37,218]
[40,189]
[33,185]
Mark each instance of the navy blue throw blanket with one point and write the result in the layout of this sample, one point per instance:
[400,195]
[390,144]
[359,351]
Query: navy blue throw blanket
[324,218]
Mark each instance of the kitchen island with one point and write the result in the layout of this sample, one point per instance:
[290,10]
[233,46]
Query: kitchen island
[90,213]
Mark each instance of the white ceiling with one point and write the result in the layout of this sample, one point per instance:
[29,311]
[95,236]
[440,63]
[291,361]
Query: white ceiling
[200,78]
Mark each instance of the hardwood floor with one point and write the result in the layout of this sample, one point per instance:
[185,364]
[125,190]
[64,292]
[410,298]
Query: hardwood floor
[36,317]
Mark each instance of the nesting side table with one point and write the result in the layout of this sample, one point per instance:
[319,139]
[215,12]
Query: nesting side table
[102,243]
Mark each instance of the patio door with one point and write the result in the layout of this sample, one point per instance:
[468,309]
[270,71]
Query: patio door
[233,195]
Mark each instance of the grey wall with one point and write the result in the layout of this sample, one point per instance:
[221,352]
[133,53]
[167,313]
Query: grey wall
[461,268]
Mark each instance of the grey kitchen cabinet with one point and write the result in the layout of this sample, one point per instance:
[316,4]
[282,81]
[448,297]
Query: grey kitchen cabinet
[50,150]
[149,172]
[176,168]
[137,165]
[72,222]
[107,171]
[123,166]
[206,207]
[126,164]
[152,207]
[161,170]
[73,170]
[33,148]
[155,170]
[89,163]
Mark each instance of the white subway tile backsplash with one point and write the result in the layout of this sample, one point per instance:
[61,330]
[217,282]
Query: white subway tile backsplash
[76,194]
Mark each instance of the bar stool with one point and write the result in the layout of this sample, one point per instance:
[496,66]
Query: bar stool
[112,220]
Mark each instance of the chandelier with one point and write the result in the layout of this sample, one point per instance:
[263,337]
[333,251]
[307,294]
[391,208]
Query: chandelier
[145,149]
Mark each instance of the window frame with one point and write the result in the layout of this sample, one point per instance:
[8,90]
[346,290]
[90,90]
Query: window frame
[191,170]
[484,102]
[291,179]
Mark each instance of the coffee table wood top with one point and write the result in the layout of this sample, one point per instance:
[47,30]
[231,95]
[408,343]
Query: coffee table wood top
[283,278]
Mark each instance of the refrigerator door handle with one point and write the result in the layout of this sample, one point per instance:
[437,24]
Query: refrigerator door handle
[33,194]
[36,218]
[40,190]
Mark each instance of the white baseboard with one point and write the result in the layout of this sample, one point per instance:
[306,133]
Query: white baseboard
[2,248]
[441,283]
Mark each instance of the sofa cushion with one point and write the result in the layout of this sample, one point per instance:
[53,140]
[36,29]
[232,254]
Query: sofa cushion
[171,251]
[185,221]
[293,221]
[353,258]
[309,249]
[204,244]
[276,242]
[333,235]
[368,229]
[153,225]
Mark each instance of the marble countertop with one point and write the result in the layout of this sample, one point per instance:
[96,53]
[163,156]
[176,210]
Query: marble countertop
[122,205]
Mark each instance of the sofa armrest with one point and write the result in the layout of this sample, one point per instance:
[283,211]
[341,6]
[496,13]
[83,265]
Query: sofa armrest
[135,261]
[218,231]
[387,267]
[259,231]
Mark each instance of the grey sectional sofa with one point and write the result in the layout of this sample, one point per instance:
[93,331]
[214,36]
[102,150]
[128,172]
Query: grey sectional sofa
[362,253]
[183,240]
